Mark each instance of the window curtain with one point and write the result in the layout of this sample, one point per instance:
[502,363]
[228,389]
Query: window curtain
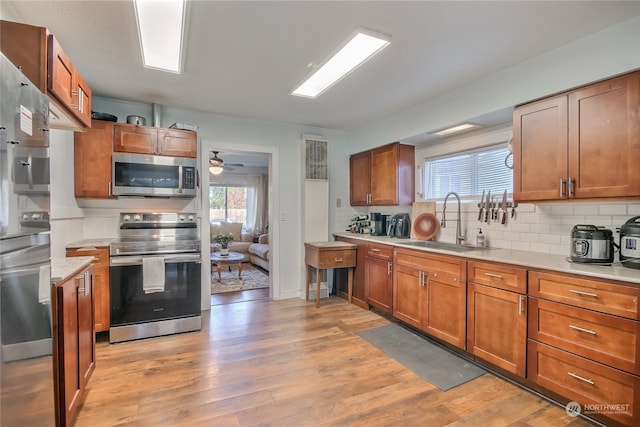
[257,204]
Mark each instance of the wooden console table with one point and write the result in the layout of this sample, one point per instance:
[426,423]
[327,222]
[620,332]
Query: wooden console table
[324,255]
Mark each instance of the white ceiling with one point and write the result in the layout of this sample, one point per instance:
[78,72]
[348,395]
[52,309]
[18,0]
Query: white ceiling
[244,57]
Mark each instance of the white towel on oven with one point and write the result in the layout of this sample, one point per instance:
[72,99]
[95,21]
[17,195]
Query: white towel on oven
[152,274]
[44,284]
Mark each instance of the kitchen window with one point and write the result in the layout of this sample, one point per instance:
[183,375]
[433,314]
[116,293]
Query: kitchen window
[468,174]
[228,203]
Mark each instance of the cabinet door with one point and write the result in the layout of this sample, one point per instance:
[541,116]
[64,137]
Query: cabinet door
[180,143]
[135,139]
[67,349]
[101,313]
[540,150]
[86,336]
[384,175]
[92,161]
[446,309]
[497,327]
[360,179]
[101,310]
[409,302]
[604,138]
[379,284]
[83,100]
[61,74]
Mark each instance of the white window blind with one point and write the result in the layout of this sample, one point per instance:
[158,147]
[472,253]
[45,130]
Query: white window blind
[468,174]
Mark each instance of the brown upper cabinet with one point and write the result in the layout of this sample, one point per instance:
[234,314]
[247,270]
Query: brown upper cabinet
[93,151]
[42,60]
[151,140]
[583,144]
[384,176]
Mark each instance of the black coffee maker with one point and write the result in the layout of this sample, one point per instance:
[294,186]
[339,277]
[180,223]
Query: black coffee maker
[379,224]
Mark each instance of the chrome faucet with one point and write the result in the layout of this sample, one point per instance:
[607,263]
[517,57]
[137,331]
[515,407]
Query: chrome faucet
[443,224]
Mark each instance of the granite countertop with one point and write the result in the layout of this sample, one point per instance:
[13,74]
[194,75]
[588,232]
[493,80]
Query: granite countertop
[526,259]
[87,243]
[63,268]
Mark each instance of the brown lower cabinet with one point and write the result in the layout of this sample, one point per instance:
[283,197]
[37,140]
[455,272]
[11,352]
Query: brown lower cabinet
[601,391]
[429,293]
[378,277]
[73,342]
[497,315]
[101,298]
[497,327]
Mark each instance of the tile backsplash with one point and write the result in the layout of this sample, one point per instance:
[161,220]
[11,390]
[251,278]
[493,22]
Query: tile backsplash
[544,228]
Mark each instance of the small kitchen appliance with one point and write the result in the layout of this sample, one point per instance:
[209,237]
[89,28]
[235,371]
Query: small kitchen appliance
[591,244]
[378,224]
[400,226]
[630,243]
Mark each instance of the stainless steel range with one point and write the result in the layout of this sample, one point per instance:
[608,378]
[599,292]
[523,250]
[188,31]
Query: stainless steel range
[155,276]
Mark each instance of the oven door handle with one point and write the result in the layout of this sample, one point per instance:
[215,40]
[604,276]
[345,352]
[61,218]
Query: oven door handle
[137,260]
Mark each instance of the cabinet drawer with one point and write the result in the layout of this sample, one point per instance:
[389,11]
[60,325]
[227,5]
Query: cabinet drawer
[590,384]
[606,296]
[604,338]
[433,263]
[384,252]
[337,258]
[101,254]
[498,276]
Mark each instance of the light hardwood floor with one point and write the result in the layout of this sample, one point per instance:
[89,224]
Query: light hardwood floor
[286,363]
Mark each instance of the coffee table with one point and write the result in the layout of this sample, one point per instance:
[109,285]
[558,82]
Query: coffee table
[221,260]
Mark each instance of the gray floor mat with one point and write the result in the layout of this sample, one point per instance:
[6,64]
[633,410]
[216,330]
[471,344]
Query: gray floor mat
[440,367]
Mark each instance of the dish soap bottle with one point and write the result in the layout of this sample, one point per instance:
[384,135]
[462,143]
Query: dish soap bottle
[480,238]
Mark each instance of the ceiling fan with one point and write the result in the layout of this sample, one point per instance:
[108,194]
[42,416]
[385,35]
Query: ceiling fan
[217,165]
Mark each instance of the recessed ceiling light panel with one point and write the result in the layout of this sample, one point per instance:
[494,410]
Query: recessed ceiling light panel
[360,47]
[455,129]
[161,31]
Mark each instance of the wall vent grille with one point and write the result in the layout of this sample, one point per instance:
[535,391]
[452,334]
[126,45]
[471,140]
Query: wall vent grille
[316,158]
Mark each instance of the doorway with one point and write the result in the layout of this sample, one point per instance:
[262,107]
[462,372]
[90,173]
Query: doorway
[238,202]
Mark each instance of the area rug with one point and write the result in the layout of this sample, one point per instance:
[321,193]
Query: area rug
[440,367]
[252,278]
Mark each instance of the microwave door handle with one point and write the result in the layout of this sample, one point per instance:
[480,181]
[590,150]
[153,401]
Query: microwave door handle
[180,172]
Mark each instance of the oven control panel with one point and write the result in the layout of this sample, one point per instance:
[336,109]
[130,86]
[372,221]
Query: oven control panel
[157,219]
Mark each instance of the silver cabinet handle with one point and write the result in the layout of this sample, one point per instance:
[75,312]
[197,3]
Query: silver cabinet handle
[521,304]
[586,294]
[562,185]
[570,183]
[497,276]
[578,328]
[389,268]
[578,377]
[376,250]
[421,280]
[338,259]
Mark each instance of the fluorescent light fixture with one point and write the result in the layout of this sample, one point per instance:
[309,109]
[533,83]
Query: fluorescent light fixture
[454,129]
[161,30]
[362,45]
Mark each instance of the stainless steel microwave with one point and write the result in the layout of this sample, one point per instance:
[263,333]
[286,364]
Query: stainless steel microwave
[153,176]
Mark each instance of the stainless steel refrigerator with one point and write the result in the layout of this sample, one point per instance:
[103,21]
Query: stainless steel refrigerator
[26,364]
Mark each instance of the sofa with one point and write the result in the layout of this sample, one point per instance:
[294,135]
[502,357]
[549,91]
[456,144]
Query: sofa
[241,241]
[259,252]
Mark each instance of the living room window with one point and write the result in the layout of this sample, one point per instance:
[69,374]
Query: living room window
[228,203]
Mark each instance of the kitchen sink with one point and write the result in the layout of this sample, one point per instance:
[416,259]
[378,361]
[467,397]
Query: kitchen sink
[429,244]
